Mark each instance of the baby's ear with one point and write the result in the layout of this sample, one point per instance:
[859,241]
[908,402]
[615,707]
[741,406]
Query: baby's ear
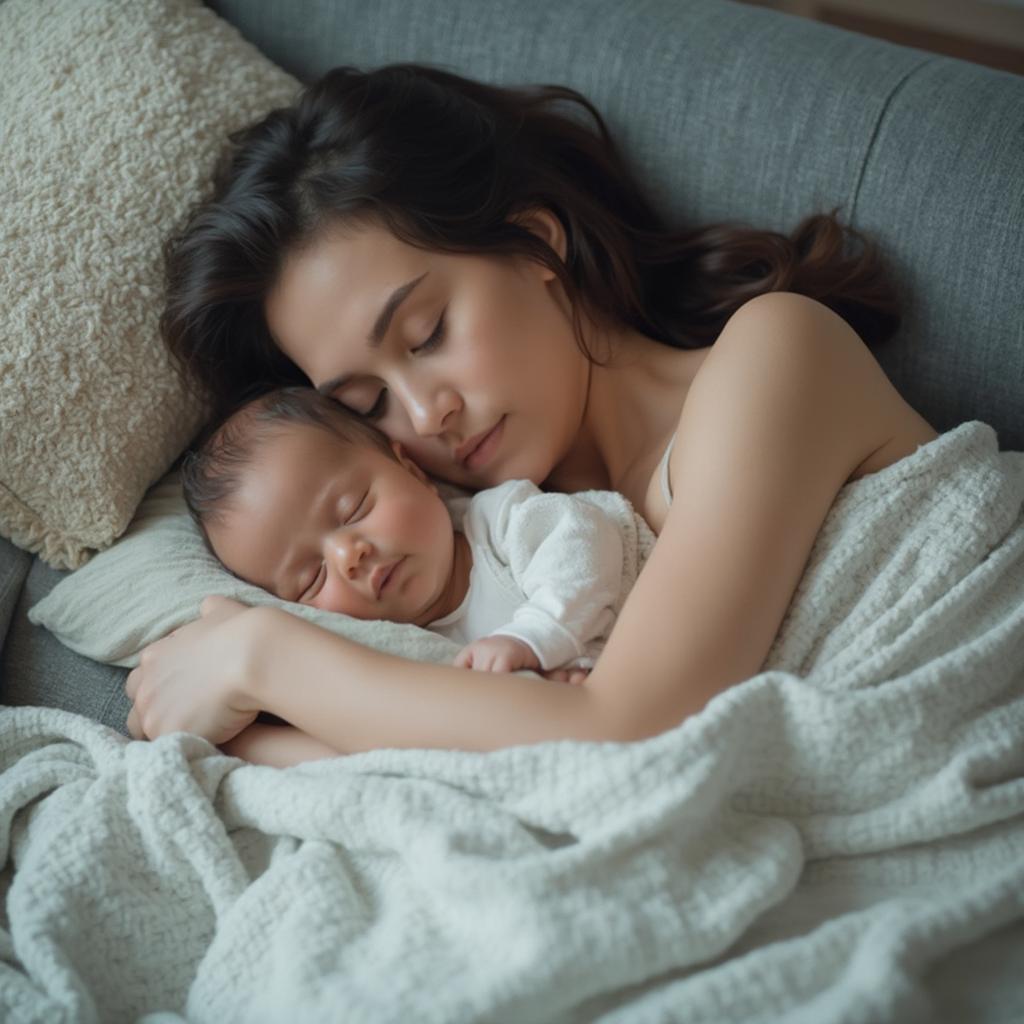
[413,467]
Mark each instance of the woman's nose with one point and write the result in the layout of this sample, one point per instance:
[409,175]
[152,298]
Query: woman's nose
[429,408]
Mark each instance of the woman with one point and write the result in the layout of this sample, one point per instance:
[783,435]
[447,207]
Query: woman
[474,269]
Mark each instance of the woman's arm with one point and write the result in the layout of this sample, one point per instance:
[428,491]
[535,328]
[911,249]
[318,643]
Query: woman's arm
[785,407]
[213,675]
[279,746]
[360,699]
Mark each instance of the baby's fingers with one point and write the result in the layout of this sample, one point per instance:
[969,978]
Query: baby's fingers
[572,676]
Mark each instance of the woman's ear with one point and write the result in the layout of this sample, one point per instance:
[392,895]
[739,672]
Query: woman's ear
[546,226]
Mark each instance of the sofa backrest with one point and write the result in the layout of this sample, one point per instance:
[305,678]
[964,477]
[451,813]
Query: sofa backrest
[733,112]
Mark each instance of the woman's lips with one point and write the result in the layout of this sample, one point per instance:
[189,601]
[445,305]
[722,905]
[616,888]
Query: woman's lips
[481,454]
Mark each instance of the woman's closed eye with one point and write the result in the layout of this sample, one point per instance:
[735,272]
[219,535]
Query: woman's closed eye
[431,344]
[435,339]
[379,407]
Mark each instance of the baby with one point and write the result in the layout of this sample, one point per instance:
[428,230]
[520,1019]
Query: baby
[302,498]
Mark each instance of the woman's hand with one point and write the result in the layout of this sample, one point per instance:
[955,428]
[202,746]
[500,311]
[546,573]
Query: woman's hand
[194,679]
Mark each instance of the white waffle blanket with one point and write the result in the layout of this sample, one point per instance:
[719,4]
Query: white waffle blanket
[840,838]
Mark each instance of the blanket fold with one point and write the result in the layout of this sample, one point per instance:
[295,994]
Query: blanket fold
[836,839]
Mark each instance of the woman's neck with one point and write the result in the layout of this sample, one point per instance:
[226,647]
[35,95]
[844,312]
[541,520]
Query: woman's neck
[633,406]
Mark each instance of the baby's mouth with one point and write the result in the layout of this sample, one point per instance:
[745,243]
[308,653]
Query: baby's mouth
[382,575]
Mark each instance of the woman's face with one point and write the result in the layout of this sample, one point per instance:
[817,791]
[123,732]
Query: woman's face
[469,361]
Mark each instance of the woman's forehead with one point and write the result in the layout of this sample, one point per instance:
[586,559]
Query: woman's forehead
[338,288]
[353,267]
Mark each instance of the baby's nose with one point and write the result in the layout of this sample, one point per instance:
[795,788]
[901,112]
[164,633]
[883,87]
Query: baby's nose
[348,552]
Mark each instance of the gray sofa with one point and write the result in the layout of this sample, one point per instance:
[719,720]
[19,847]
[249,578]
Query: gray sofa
[729,112]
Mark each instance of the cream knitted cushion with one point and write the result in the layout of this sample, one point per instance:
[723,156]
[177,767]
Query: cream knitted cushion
[112,113]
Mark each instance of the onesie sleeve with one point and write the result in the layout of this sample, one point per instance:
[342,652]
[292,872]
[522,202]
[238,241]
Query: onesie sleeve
[566,556]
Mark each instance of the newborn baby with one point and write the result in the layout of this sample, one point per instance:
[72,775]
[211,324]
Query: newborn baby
[299,496]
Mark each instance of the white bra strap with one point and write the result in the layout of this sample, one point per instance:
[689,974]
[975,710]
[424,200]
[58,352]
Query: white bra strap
[666,488]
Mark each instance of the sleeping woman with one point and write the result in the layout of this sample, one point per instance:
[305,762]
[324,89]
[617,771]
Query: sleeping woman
[475,270]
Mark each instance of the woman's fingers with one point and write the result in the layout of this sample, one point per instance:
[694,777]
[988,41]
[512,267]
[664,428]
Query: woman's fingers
[132,723]
[184,681]
[131,684]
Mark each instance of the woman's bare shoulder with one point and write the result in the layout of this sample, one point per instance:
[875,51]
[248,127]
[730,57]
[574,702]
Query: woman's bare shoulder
[823,344]
[797,340]
[800,357]
[787,404]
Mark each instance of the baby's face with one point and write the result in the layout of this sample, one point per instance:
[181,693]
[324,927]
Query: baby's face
[339,526]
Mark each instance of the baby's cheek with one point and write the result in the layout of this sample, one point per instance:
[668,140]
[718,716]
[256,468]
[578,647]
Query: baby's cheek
[423,519]
[336,597]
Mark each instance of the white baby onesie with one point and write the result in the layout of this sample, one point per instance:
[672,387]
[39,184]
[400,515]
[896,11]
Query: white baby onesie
[547,570]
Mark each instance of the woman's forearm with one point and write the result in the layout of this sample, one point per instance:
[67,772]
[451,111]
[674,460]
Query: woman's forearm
[354,698]
[279,746]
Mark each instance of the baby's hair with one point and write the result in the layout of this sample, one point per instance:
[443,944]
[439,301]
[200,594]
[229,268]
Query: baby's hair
[212,471]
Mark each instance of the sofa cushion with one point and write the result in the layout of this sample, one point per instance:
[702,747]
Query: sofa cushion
[14,566]
[114,112]
[944,183]
[36,669]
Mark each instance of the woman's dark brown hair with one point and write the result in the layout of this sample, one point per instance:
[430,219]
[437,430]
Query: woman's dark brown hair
[444,162]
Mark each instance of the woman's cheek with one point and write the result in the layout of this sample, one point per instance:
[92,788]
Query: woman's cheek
[429,452]
[434,456]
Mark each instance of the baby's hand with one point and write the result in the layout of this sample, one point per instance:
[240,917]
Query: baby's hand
[572,676]
[497,654]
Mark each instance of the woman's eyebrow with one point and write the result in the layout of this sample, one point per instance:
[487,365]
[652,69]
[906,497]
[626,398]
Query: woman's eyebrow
[380,327]
[383,321]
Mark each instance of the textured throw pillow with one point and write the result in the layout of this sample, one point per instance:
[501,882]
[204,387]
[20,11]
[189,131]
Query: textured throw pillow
[112,113]
[156,576]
